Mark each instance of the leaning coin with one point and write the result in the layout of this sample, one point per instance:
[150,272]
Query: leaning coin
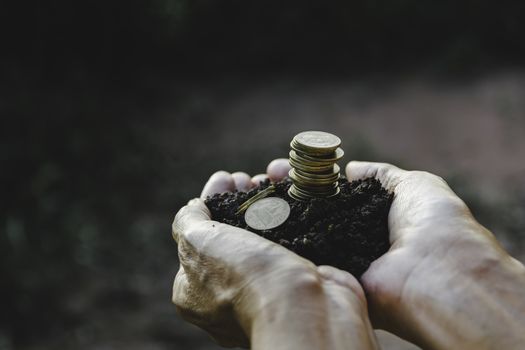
[267,213]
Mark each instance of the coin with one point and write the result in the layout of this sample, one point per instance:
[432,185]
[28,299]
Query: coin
[334,175]
[324,169]
[298,178]
[332,157]
[318,152]
[317,190]
[314,170]
[318,140]
[267,213]
[311,161]
[298,193]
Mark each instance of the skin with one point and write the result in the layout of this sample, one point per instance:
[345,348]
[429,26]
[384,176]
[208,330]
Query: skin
[446,283]
[245,290]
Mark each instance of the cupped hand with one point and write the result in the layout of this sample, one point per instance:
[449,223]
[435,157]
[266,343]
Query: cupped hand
[230,279]
[440,282]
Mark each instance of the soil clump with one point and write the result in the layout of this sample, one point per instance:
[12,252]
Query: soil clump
[348,231]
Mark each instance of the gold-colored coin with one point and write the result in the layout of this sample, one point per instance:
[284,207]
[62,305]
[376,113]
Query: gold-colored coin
[295,195]
[318,140]
[310,166]
[317,190]
[332,157]
[291,193]
[303,160]
[302,193]
[312,181]
[312,151]
[311,169]
[314,172]
[334,174]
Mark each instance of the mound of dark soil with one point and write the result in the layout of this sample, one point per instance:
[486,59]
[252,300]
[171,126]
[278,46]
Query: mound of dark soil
[348,231]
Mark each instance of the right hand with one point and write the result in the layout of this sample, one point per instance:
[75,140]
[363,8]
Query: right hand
[246,290]
[445,282]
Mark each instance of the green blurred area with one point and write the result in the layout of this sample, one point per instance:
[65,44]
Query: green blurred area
[114,114]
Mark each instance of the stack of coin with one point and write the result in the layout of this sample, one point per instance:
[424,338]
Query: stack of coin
[314,170]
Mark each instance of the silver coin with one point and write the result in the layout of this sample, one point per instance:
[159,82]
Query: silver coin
[267,213]
[318,140]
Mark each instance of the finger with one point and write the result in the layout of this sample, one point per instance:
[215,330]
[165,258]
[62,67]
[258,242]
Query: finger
[193,213]
[243,181]
[278,169]
[389,175]
[219,182]
[257,179]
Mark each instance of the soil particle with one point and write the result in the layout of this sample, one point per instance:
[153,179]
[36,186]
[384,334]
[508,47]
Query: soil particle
[348,231]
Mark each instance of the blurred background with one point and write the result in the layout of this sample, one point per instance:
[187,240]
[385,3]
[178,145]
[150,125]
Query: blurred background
[114,114]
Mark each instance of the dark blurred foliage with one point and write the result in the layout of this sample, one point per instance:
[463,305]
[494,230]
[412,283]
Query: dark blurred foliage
[87,190]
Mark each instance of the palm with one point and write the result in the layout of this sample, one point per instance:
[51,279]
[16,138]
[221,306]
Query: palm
[429,229]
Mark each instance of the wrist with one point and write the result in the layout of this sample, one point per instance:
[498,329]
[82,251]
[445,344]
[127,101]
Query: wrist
[471,295]
[287,313]
[307,311]
[269,297]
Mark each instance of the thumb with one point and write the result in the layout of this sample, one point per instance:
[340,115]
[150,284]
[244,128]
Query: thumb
[389,175]
[193,213]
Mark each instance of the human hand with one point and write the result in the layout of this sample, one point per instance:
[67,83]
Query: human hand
[244,289]
[445,282]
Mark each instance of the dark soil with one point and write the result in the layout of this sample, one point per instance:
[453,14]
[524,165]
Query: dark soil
[348,231]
